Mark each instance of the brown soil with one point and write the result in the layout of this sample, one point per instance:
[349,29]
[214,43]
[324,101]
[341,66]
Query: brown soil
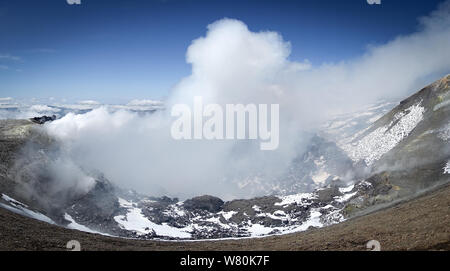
[418,224]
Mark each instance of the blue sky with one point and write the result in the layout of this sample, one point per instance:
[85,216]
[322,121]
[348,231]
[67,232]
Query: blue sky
[116,51]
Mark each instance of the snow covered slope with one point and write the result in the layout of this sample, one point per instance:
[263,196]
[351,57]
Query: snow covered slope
[418,126]
[371,146]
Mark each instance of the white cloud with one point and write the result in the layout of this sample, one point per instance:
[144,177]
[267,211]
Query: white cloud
[231,64]
[71,2]
[39,108]
[10,57]
[145,103]
[89,102]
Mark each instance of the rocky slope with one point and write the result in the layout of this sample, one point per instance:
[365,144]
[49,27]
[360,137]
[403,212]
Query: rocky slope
[418,224]
[409,146]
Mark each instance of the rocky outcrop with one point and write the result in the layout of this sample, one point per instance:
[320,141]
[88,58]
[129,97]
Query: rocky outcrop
[43,119]
[327,194]
[205,203]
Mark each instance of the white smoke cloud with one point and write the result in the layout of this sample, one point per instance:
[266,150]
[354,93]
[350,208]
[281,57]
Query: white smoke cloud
[231,64]
[89,102]
[10,57]
[6,100]
[144,103]
[43,109]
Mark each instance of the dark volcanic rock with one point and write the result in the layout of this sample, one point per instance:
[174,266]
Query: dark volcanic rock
[267,204]
[380,183]
[43,119]
[98,206]
[205,203]
[327,194]
[245,208]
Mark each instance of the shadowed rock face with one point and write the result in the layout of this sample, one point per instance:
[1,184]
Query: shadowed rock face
[99,205]
[206,203]
[328,194]
[13,135]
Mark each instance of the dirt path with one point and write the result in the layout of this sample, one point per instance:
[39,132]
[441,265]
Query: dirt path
[420,224]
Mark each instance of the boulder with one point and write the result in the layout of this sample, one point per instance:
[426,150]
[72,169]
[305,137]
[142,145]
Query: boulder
[327,194]
[43,119]
[205,203]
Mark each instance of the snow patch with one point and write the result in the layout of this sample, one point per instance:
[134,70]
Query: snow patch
[228,215]
[313,221]
[256,208]
[380,141]
[135,221]
[345,197]
[22,209]
[447,168]
[296,198]
[259,230]
[75,226]
[346,189]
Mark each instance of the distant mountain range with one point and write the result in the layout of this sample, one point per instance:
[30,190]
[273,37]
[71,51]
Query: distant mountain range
[19,109]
